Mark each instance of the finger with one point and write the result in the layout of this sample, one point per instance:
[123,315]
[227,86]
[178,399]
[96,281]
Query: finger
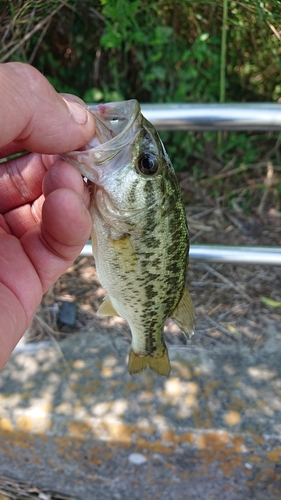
[65,221]
[4,228]
[21,181]
[65,228]
[64,175]
[20,294]
[39,119]
[10,149]
[21,219]
[60,175]
[13,321]
[20,288]
[30,266]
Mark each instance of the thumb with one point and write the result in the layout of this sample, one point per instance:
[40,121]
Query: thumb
[36,117]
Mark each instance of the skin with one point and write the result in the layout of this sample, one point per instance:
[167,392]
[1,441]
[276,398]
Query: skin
[44,220]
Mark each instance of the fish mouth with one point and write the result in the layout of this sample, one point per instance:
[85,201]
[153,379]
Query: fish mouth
[114,119]
[117,125]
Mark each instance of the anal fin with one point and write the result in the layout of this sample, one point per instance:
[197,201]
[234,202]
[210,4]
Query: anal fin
[183,315]
[106,308]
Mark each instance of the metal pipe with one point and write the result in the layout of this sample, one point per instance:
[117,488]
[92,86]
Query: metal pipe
[224,254]
[236,255]
[234,116]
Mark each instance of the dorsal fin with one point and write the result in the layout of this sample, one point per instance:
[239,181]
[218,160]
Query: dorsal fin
[183,315]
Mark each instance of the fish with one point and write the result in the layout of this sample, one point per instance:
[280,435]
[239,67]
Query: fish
[139,234]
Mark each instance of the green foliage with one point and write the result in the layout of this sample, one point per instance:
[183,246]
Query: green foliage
[121,28]
[183,146]
[152,61]
[155,51]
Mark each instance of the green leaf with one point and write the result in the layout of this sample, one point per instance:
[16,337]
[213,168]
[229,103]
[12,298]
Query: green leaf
[270,302]
[93,95]
[232,330]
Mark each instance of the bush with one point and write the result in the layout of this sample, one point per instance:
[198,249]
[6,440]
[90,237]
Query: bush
[154,51]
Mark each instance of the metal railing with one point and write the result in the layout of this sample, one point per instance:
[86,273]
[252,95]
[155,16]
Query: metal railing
[224,254]
[253,116]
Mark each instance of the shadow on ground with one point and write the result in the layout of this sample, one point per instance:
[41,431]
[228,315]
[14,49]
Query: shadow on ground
[71,416]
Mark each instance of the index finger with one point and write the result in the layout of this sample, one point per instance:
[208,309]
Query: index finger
[36,117]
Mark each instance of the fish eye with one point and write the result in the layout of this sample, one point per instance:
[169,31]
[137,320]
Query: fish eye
[148,164]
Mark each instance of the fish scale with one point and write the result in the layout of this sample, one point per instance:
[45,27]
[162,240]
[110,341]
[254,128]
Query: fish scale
[140,236]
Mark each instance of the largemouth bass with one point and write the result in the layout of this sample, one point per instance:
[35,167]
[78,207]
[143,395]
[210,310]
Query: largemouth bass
[140,235]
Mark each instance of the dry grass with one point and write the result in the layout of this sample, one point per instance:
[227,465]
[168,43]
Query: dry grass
[20,21]
[12,489]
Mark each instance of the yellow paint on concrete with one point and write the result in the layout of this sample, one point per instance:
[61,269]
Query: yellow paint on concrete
[120,432]
[214,440]
[275,455]
[155,446]
[170,437]
[79,429]
[224,448]
[255,459]
[188,437]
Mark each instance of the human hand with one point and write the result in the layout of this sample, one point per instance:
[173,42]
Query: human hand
[44,221]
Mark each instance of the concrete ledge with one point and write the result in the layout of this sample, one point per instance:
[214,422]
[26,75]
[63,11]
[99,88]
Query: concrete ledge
[71,415]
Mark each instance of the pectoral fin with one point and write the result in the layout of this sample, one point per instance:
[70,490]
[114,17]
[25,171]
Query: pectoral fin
[106,308]
[124,253]
[92,239]
[183,315]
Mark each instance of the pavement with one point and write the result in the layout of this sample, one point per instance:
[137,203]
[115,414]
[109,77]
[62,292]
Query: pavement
[72,420]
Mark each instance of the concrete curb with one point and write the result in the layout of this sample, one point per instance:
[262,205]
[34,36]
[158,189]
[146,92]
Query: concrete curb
[71,415]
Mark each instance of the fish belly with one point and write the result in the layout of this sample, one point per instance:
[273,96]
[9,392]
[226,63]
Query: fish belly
[144,279]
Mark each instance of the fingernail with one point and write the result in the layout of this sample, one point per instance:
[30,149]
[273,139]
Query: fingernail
[78,112]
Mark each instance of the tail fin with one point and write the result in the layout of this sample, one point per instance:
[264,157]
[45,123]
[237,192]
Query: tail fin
[160,365]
